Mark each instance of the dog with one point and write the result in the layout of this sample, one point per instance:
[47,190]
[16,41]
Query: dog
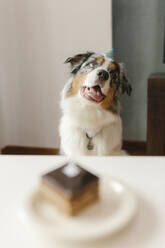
[90,103]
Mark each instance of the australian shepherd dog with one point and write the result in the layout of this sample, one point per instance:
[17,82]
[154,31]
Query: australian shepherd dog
[90,102]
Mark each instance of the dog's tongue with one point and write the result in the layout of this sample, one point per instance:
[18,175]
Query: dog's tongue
[95,93]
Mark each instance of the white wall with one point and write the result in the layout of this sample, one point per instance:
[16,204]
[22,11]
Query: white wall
[36,36]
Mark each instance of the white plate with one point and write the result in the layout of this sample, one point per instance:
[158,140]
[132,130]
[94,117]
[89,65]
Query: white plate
[115,209]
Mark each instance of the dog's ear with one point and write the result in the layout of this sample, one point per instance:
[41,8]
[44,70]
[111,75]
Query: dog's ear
[125,85]
[77,60]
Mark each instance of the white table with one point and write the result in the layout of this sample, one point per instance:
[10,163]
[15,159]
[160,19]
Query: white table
[146,175]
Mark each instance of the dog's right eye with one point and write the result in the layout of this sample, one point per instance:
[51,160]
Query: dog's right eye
[91,65]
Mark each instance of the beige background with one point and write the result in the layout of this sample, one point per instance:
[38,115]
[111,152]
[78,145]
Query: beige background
[36,37]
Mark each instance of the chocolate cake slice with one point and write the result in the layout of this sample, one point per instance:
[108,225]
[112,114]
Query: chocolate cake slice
[71,188]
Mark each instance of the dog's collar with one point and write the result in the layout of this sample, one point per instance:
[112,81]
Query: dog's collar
[87,135]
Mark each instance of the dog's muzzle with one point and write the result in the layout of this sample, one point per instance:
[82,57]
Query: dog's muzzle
[92,93]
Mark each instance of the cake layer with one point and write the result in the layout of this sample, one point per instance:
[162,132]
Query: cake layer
[74,206]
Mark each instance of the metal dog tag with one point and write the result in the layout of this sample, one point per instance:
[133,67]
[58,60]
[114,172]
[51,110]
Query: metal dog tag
[90,146]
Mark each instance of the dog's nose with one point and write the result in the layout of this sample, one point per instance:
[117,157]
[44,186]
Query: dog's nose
[103,75]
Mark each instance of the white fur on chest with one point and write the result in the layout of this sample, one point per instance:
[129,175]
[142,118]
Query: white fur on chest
[79,118]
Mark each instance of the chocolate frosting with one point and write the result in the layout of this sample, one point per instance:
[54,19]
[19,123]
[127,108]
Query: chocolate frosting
[69,185]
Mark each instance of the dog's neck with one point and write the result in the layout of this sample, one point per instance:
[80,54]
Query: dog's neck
[89,117]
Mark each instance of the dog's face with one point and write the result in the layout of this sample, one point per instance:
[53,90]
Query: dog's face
[98,79]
